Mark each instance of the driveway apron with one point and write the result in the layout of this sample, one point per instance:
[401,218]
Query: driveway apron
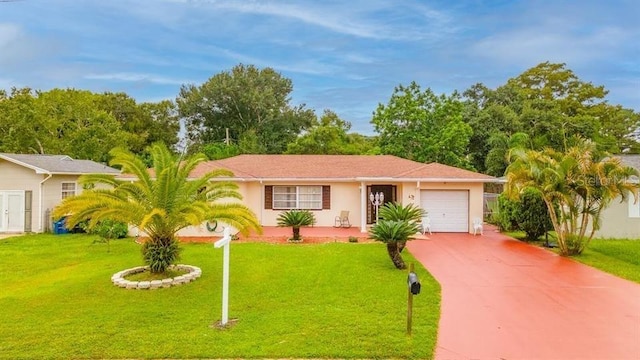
[504,299]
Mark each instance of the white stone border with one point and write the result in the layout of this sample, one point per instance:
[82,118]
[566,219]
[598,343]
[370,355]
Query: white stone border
[118,279]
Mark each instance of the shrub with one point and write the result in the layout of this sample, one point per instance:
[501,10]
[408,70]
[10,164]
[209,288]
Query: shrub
[353,239]
[532,215]
[506,216]
[110,229]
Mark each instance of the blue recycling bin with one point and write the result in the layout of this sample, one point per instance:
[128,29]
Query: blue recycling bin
[59,227]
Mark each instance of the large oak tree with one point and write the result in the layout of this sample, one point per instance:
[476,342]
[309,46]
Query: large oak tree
[422,126]
[252,104]
[82,124]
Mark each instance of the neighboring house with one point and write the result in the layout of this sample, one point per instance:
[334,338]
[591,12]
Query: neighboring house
[622,219]
[32,184]
[329,184]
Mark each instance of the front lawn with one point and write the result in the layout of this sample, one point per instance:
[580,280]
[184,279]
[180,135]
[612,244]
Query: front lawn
[617,257]
[292,301]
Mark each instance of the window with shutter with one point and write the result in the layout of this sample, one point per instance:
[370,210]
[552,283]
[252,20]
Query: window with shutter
[287,197]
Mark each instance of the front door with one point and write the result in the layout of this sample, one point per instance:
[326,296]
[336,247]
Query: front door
[389,192]
[12,211]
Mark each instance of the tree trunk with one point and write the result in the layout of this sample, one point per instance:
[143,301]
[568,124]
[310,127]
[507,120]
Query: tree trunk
[394,254]
[401,246]
[296,233]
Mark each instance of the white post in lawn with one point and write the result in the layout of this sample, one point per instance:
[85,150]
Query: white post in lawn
[224,243]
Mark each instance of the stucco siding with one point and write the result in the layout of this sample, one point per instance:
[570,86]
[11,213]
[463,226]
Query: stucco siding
[52,193]
[617,222]
[15,177]
[344,196]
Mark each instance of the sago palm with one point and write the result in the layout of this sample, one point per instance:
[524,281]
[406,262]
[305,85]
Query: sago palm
[410,213]
[394,233]
[296,219]
[158,202]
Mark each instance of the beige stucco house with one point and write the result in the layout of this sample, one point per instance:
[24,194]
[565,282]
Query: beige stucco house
[329,184]
[32,184]
[622,219]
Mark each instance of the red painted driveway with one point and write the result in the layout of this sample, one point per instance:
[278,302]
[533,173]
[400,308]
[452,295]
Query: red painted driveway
[504,299]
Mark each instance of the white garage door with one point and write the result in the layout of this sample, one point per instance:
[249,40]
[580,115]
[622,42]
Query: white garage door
[448,209]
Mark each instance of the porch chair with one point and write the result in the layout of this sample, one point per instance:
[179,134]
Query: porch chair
[426,225]
[342,220]
[477,226]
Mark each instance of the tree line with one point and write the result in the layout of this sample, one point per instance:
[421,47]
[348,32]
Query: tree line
[249,110]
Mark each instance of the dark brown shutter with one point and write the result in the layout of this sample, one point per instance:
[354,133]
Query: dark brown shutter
[268,197]
[28,200]
[326,197]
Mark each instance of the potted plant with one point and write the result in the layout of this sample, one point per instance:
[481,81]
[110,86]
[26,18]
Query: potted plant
[296,219]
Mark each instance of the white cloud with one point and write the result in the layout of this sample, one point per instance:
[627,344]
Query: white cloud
[8,34]
[136,77]
[533,45]
[378,20]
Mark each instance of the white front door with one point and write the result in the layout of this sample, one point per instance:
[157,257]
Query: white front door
[447,209]
[12,211]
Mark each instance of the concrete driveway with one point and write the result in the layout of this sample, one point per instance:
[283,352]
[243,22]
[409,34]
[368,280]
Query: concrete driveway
[504,299]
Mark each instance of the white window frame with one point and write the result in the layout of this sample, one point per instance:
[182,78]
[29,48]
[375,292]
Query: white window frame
[65,193]
[290,200]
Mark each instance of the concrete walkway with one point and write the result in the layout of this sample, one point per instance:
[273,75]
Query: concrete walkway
[504,299]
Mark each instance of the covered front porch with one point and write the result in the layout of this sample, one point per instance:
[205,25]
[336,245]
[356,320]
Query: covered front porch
[311,234]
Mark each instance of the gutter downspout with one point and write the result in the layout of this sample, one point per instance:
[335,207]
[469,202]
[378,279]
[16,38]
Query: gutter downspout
[363,207]
[262,199]
[40,229]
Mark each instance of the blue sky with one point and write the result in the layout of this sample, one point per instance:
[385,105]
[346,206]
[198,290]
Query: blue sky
[346,56]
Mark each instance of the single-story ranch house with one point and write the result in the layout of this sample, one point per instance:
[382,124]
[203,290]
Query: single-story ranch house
[330,184]
[32,184]
[622,219]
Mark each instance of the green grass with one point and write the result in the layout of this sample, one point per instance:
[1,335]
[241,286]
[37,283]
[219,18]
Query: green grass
[617,257]
[620,257]
[291,301]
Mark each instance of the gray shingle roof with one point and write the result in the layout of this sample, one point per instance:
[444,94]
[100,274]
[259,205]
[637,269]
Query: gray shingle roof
[58,164]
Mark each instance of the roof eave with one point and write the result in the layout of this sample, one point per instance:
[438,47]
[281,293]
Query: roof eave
[81,173]
[448,180]
[38,170]
[357,179]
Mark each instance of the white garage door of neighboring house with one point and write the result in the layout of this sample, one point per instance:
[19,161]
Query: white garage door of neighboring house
[447,209]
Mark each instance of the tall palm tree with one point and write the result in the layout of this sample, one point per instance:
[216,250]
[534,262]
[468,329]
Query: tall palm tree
[576,186]
[159,202]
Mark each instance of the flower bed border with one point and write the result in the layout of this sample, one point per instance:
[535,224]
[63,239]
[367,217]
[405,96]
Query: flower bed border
[192,274]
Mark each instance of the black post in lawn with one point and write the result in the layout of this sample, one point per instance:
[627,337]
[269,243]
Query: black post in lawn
[413,288]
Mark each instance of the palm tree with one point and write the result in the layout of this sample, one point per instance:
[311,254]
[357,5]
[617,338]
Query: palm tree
[159,202]
[575,186]
[296,219]
[397,212]
[393,233]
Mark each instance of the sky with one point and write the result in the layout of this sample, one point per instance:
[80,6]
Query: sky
[346,56]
